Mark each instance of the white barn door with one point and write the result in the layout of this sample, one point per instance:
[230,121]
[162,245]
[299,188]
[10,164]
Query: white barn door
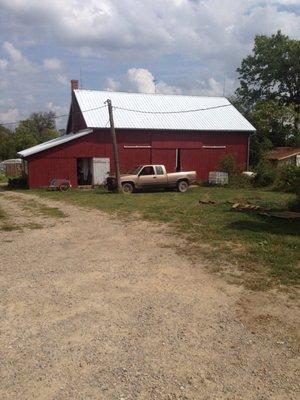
[101,168]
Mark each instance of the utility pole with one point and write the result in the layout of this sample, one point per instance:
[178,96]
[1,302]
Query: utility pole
[114,143]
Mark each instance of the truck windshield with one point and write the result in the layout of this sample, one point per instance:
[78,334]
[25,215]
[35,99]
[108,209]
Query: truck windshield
[135,170]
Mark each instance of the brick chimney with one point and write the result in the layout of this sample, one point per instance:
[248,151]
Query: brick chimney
[74,84]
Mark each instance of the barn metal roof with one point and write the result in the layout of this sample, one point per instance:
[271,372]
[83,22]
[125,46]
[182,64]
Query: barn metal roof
[159,111]
[53,142]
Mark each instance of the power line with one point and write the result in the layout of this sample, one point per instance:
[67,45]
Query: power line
[133,110]
[56,116]
[171,112]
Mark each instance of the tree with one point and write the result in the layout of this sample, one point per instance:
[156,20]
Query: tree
[38,128]
[7,146]
[43,124]
[272,72]
[276,122]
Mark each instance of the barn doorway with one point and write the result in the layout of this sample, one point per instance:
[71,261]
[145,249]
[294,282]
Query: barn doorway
[178,161]
[84,171]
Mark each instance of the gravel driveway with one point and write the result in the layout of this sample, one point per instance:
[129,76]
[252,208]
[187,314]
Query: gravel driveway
[96,308]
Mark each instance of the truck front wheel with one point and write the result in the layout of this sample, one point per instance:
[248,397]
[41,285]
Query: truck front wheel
[182,186]
[127,187]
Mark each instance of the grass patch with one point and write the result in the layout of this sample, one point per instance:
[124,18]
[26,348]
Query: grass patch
[9,227]
[37,208]
[52,212]
[5,225]
[259,250]
[33,225]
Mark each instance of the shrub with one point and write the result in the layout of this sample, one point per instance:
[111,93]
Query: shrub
[294,204]
[235,178]
[288,179]
[265,174]
[20,182]
[227,164]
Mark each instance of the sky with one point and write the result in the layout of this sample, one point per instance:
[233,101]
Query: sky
[167,46]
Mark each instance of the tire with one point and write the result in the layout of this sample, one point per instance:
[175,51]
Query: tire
[127,187]
[64,187]
[182,186]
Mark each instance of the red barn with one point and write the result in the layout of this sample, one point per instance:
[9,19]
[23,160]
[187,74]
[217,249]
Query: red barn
[181,132]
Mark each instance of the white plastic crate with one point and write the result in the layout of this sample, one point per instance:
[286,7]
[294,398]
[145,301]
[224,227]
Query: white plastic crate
[218,178]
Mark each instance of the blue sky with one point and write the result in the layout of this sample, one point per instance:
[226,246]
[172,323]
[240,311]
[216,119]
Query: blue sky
[187,46]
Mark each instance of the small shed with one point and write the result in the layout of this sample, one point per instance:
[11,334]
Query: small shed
[12,167]
[285,155]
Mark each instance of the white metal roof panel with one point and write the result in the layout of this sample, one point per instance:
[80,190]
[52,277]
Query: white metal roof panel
[53,142]
[158,111]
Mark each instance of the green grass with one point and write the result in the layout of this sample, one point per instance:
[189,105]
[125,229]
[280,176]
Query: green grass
[41,209]
[258,250]
[9,227]
[5,224]
[35,207]
[38,209]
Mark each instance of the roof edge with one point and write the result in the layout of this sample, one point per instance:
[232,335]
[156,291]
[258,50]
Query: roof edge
[152,94]
[53,143]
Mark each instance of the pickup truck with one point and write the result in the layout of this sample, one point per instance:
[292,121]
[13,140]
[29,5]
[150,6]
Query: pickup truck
[149,177]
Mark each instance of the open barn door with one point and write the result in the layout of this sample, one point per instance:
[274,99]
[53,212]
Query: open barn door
[101,168]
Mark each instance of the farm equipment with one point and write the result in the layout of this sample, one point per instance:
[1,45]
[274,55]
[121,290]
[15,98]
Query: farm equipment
[61,185]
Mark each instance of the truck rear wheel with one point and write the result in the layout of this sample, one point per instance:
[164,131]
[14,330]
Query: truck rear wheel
[127,187]
[182,186]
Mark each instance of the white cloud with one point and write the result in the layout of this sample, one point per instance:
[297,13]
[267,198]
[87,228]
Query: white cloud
[22,82]
[10,115]
[16,59]
[193,44]
[3,63]
[146,28]
[112,85]
[59,110]
[164,88]
[61,78]
[213,87]
[52,64]
[14,53]
[141,80]
[7,102]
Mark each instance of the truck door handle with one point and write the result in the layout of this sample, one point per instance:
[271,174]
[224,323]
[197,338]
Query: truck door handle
[154,177]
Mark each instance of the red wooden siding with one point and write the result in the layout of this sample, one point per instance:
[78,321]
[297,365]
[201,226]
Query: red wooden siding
[201,160]
[152,147]
[164,156]
[42,170]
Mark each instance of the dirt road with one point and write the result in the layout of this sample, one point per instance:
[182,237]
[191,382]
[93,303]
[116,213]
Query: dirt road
[96,308]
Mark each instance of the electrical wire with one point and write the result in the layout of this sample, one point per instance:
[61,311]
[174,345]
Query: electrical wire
[132,110]
[56,116]
[170,112]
